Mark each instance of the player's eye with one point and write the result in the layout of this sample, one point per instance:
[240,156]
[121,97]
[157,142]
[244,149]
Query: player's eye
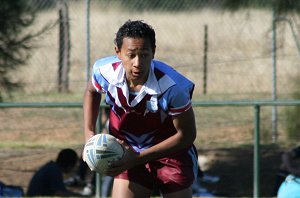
[144,55]
[131,56]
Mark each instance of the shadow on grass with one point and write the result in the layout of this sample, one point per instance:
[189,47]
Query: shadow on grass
[234,166]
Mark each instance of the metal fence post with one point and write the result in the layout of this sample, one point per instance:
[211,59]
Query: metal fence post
[274,91]
[256,152]
[64,48]
[98,176]
[205,60]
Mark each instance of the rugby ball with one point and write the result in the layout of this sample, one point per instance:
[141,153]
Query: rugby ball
[100,149]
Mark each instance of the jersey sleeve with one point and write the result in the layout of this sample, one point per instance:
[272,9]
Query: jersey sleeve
[99,81]
[179,100]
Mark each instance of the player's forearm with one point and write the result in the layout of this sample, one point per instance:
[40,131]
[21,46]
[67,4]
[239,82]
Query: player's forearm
[165,148]
[184,138]
[90,109]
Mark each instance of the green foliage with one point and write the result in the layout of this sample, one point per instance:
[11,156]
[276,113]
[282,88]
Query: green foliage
[42,4]
[160,5]
[163,5]
[15,45]
[281,6]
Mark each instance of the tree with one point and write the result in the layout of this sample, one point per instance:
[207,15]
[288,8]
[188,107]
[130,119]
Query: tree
[280,6]
[15,44]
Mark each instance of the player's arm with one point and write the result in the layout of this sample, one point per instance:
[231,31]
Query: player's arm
[183,138]
[91,104]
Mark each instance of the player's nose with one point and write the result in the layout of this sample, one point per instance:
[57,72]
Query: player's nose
[137,61]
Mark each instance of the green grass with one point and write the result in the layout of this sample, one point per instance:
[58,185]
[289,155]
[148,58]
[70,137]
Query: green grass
[52,96]
[27,144]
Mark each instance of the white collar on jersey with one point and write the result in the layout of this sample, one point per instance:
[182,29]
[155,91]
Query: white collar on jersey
[113,76]
[116,78]
[152,86]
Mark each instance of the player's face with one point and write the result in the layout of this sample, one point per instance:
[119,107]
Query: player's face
[136,55]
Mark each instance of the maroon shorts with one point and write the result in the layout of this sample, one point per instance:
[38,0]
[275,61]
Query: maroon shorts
[170,174]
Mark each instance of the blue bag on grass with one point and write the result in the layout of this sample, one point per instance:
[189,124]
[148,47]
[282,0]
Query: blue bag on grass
[10,191]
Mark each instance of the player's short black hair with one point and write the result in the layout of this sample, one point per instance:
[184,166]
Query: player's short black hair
[67,158]
[135,29]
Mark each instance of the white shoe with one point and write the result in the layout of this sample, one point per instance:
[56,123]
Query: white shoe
[88,190]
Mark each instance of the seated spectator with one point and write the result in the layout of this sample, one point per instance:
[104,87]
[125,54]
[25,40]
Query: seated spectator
[289,169]
[84,176]
[49,181]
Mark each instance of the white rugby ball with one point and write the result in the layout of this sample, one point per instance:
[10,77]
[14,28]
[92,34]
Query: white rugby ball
[100,149]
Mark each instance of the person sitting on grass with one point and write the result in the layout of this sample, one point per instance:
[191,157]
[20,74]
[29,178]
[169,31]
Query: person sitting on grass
[48,180]
[290,174]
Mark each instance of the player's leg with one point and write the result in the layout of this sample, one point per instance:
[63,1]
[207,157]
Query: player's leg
[186,193]
[176,174]
[126,189]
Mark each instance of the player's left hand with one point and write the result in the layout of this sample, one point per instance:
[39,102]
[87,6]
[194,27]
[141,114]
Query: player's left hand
[129,160]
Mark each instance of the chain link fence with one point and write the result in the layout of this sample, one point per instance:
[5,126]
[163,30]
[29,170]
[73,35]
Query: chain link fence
[239,45]
[228,55]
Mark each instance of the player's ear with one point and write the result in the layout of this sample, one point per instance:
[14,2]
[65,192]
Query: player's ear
[153,52]
[118,51]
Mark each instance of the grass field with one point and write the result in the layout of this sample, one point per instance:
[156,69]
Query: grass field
[233,165]
[31,137]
